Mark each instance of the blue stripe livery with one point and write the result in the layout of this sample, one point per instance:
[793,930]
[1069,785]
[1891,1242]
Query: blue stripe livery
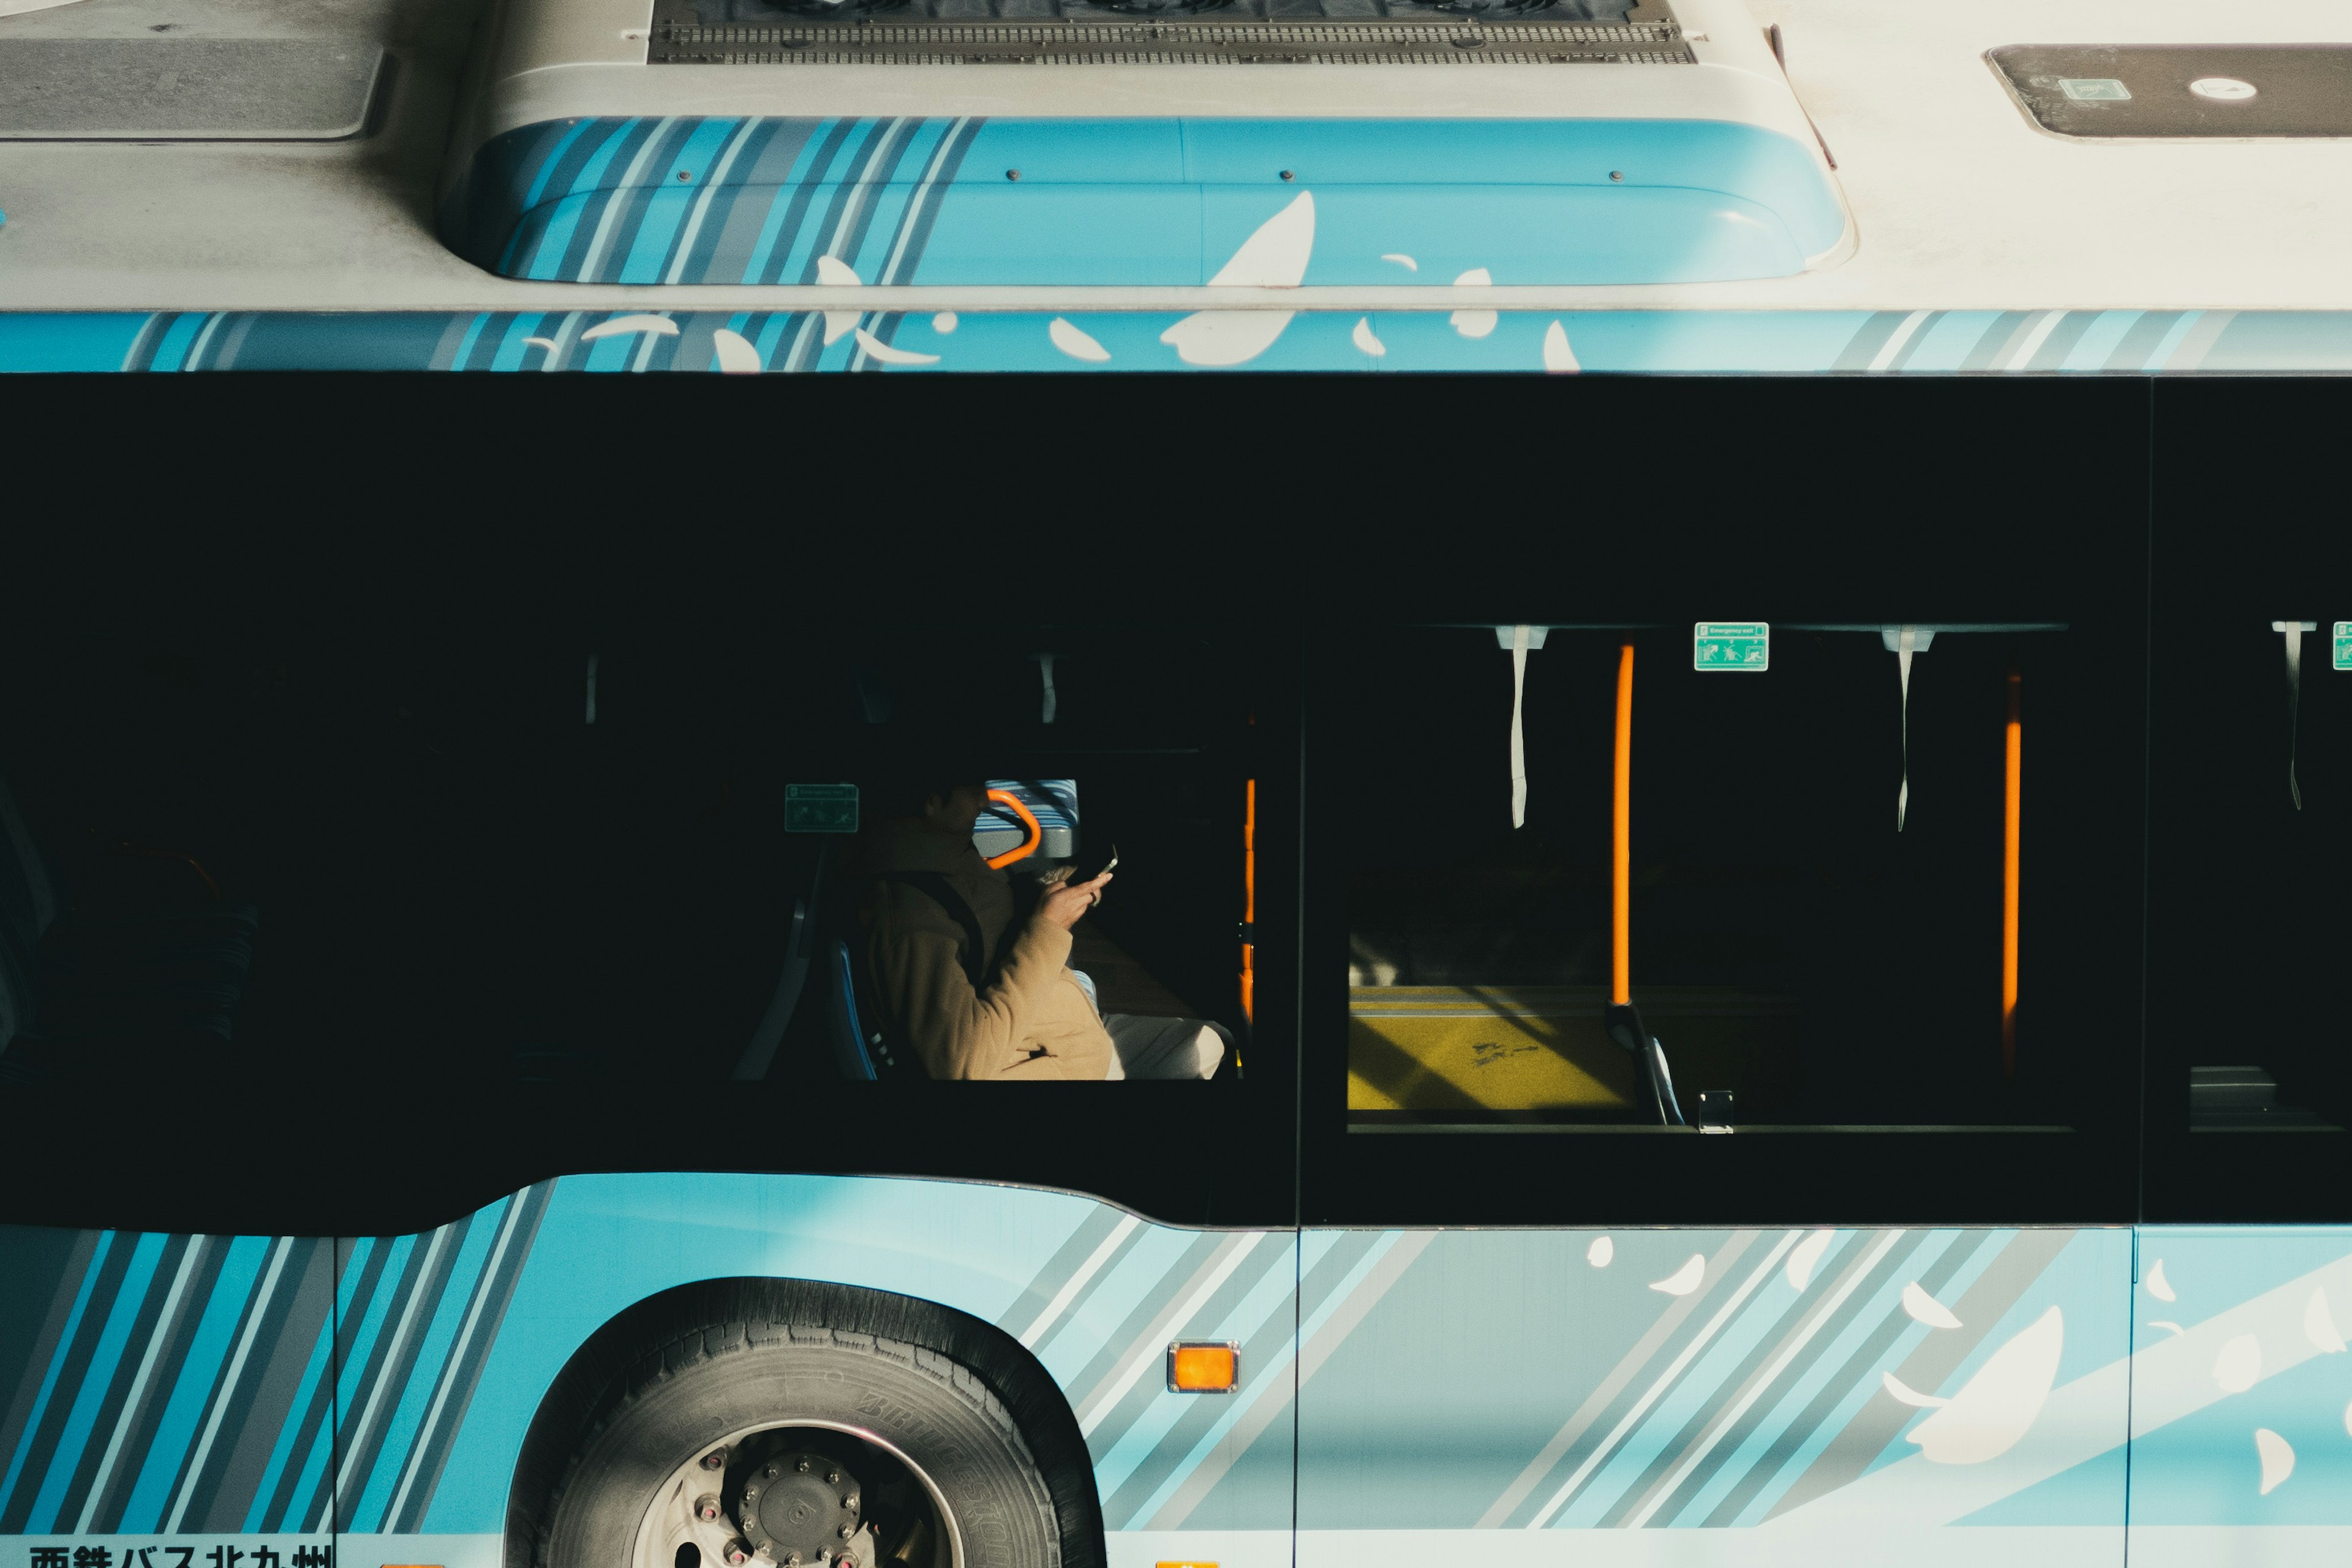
[1139,201]
[1833,1396]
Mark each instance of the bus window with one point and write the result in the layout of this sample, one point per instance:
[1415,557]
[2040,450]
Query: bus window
[2249,1080]
[1045,874]
[646,859]
[1716,876]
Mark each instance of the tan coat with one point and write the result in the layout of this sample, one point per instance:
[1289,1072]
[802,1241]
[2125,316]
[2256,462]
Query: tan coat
[1033,1021]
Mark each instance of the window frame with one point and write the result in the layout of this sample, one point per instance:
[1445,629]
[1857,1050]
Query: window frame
[1531,1175]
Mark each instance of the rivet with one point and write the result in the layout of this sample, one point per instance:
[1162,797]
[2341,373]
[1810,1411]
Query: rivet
[1617,174]
[1288,174]
[686,174]
[1012,173]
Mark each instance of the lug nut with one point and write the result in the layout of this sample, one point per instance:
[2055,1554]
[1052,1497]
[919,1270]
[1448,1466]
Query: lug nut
[833,1478]
[771,1472]
[802,1467]
[715,1461]
[850,1502]
[706,1507]
[736,1554]
[749,1492]
[847,1530]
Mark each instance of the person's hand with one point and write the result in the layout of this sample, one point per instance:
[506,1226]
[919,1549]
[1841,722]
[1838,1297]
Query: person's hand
[1065,901]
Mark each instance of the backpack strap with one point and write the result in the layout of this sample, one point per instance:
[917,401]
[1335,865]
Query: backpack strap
[979,965]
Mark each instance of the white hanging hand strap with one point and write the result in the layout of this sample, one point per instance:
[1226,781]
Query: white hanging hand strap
[1518,640]
[1045,669]
[2293,630]
[1903,642]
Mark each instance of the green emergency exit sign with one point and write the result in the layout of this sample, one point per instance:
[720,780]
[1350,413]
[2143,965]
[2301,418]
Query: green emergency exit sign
[2344,645]
[1731,645]
[820,808]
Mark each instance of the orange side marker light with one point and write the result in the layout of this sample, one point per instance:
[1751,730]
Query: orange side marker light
[1203,1368]
[2009,885]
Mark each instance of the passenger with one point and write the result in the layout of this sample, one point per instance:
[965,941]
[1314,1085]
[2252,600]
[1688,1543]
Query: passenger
[1014,1009]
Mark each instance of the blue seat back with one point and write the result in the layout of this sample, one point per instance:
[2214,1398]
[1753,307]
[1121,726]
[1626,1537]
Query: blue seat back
[845,1031]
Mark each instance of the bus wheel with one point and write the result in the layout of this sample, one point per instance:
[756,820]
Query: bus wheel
[774,1446]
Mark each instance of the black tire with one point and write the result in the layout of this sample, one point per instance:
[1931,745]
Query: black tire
[725,1378]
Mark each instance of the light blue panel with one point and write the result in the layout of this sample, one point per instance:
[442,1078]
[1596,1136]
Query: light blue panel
[1521,234]
[1240,1321]
[1430,340]
[2087,1282]
[1526,1380]
[45,343]
[1779,1455]
[2238,1333]
[1039,233]
[1709,342]
[1464,1367]
[1076,152]
[2281,342]
[1759,166]
[2102,338]
[1003,341]
[1945,343]
[608,1242]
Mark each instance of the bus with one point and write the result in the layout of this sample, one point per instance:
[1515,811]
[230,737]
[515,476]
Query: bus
[1767,1023]
[915,186]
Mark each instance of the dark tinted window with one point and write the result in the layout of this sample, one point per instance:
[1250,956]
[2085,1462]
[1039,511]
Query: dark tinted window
[1817,937]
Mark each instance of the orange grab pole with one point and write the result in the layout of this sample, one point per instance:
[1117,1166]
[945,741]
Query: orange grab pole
[2008,886]
[1249,900]
[1621,859]
[1011,803]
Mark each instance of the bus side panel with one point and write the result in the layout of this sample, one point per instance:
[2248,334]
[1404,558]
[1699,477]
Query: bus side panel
[2241,1396]
[263,1399]
[1849,1397]
[1097,1294]
[166,1388]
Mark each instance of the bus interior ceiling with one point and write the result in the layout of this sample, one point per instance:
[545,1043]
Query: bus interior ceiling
[534,853]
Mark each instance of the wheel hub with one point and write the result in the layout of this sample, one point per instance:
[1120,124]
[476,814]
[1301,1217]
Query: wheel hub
[800,1507]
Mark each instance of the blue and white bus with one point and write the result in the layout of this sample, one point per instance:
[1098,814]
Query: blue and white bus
[1772,186]
[1763,1033]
